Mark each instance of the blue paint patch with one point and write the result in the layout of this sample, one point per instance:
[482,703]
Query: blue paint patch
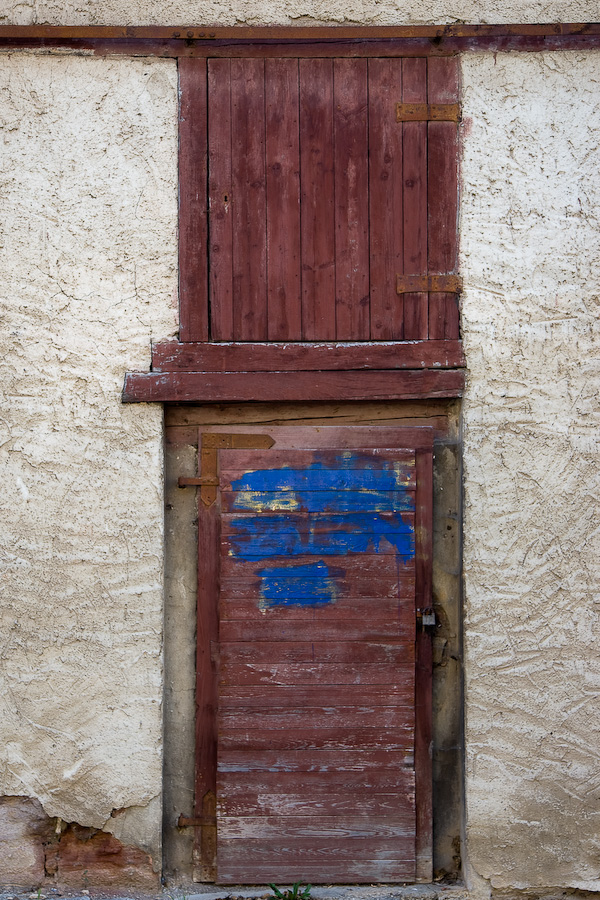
[359,498]
[269,537]
[338,473]
[308,585]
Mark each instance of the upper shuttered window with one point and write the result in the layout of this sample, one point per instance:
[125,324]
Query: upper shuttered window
[310,189]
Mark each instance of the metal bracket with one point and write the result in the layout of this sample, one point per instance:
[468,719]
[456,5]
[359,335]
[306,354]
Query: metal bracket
[208,478]
[426,618]
[415,284]
[427,112]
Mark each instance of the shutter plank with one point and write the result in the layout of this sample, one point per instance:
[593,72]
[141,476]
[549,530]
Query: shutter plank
[249,200]
[220,199]
[317,199]
[351,200]
[385,199]
[193,231]
[442,150]
[414,90]
[283,200]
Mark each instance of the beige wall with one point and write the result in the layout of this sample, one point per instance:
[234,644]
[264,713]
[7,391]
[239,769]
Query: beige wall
[88,209]
[88,202]
[530,234]
[294,12]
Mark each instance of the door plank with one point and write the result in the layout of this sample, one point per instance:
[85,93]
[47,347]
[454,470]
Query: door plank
[414,90]
[317,199]
[193,234]
[249,200]
[284,310]
[442,176]
[220,200]
[386,239]
[351,200]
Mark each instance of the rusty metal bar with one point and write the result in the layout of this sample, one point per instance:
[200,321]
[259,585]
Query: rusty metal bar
[427,112]
[293,32]
[413,284]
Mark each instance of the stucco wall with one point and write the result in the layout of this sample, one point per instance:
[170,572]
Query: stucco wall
[530,239]
[300,12]
[88,260]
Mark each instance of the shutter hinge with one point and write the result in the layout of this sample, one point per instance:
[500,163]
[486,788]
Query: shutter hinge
[427,112]
[415,284]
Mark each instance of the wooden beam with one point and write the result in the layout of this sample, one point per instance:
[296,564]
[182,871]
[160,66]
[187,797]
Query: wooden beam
[172,356]
[302,41]
[214,387]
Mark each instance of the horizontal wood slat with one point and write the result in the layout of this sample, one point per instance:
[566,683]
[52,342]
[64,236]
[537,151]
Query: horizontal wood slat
[172,356]
[211,387]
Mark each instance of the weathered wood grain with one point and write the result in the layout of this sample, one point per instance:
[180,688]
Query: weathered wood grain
[414,90]
[317,199]
[171,356]
[284,308]
[249,200]
[283,386]
[220,199]
[193,229]
[351,199]
[386,241]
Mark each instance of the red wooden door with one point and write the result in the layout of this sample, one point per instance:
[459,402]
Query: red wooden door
[322,738]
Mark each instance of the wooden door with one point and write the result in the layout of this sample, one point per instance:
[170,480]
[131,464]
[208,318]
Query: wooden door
[311,708]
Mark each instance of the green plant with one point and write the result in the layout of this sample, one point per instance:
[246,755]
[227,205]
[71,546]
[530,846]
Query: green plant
[293,893]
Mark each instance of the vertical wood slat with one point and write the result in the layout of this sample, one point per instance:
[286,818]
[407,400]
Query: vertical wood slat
[193,259]
[351,200]
[219,199]
[283,200]
[385,199]
[442,175]
[209,536]
[424,668]
[414,90]
[249,200]
[317,199]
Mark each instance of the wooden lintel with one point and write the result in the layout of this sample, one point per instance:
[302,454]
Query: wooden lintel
[199,40]
[215,387]
[177,356]
[294,32]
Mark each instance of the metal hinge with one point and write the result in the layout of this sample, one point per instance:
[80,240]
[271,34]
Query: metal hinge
[208,479]
[427,112]
[416,284]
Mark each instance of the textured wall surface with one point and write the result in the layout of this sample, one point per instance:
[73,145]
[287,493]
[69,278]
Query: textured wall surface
[531,260]
[300,12]
[88,236]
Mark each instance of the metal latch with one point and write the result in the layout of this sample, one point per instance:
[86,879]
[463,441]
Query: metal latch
[426,618]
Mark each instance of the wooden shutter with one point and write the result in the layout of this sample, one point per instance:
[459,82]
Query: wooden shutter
[323,729]
[320,200]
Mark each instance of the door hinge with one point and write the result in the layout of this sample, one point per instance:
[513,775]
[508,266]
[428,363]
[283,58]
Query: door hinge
[427,112]
[211,442]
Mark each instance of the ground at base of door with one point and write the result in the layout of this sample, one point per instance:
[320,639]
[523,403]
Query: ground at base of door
[209,892]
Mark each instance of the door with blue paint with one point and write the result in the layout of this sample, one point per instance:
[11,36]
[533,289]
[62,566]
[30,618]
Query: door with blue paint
[322,773]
